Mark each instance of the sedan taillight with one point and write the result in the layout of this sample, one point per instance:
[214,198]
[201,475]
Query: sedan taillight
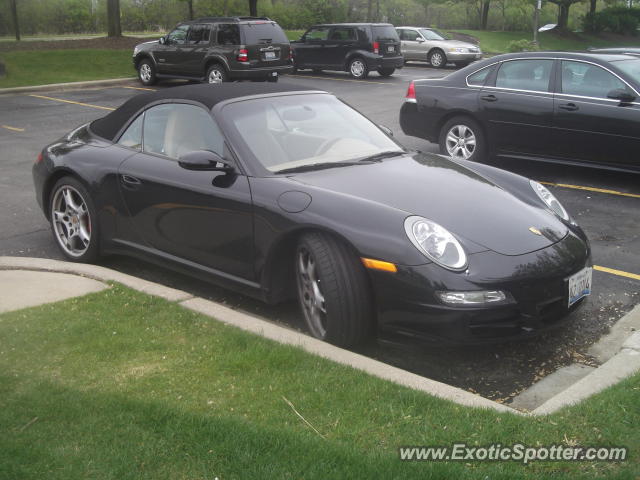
[39,158]
[411,93]
[243,55]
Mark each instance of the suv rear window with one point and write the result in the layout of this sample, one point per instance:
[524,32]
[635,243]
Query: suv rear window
[257,33]
[386,32]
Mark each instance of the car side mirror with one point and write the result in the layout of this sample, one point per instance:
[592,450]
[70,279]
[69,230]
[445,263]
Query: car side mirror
[621,94]
[162,40]
[204,160]
[386,130]
[420,40]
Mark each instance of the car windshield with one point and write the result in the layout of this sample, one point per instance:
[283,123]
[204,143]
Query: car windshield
[430,34]
[267,32]
[294,131]
[631,68]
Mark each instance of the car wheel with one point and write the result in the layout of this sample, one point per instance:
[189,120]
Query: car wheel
[333,291]
[437,59]
[386,72]
[463,138]
[147,72]
[216,74]
[73,220]
[358,68]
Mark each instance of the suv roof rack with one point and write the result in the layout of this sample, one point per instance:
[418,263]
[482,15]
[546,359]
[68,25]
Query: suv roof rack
[231,19]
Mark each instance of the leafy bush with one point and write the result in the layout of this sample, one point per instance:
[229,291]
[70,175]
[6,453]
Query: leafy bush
[620,20]
[522,46]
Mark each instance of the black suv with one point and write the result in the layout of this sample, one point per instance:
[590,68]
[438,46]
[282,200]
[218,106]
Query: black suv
[356,48]
[215,50]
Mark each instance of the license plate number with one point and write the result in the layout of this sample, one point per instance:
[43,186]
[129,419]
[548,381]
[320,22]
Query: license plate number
[269,55]
[391,48]
[580,285]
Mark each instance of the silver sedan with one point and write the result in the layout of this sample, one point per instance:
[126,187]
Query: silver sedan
[428,44]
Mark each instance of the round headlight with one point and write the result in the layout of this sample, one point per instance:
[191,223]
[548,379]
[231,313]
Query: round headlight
[547,197]
[436,243]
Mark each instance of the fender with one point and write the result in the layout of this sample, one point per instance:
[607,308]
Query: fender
[216,58]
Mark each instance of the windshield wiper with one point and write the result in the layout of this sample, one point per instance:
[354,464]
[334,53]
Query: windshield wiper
[378,157]
[317,166]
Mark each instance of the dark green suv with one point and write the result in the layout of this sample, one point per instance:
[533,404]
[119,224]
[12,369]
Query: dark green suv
[215,50]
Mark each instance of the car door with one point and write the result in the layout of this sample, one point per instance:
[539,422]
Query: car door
[169,55]
[412,45]
[588,125]
[310,51]
[340,42]
[200,218]
[195,50]
[516,104]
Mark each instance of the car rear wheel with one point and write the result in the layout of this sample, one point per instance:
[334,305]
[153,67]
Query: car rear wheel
[437,58]
[386,72]
[73,220]
[358,68]
[462,138]
[333,290]
[216,74]
[147,72]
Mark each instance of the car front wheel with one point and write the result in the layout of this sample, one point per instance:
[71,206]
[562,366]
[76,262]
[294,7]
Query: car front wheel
[437,59]
[147,72]
[358,68]
[462,138]
[73,220]
[333,290]
[386,72]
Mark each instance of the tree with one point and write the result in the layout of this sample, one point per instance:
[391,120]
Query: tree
[592,6]
[563,12]
[190,6]
[484,14]
[253,8]
[14,14]
[113,18]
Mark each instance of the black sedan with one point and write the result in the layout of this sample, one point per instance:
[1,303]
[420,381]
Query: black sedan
[572,108]
[282,192]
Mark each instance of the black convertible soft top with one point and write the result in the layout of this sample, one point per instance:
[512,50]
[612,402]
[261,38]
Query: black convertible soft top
[209,95]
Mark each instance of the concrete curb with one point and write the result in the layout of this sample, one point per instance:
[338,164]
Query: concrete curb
[620,366]
[64,86]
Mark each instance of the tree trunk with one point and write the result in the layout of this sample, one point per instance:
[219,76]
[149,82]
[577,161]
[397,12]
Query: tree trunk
[484,18]
[592,6]
[113,18]
[563,16]
[190,3]
[253,8]
[369,8]
[14,14]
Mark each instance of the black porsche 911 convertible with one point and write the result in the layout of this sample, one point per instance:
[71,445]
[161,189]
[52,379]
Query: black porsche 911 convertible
[281,192]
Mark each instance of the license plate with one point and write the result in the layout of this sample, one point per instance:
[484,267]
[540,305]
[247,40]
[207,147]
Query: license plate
[274,74]
[580,285]
[391,49]
[269,55]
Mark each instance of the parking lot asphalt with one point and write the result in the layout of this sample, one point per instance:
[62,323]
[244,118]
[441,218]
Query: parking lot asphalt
[606,204]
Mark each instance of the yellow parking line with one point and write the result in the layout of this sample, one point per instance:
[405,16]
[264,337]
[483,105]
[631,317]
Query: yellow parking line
[74,103]
[593,189]
[340,79]
[13,129]
[142,88]
[613,271]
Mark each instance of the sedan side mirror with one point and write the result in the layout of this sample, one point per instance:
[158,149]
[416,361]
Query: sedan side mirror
[204,160]
[621,94]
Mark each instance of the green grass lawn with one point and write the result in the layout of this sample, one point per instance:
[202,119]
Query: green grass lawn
[59,66]
[497,42]
[121,385]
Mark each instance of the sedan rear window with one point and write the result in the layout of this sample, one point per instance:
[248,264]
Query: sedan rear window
[259,33]
[382,33]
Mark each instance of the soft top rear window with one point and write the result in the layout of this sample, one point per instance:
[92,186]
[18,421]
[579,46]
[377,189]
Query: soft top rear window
[384,32]
[267,32]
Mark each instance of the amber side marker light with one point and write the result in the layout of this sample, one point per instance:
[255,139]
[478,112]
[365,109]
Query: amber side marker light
[379,265]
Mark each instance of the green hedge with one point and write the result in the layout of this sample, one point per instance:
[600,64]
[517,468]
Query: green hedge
[622,20]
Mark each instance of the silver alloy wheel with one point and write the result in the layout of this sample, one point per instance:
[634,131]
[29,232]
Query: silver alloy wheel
[311,295]
[215,76]
[145,72]
[460,141]
[71,221]
[357,68]
[436,59]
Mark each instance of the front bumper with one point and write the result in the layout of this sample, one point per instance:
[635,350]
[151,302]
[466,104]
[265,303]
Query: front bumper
[463,57]
[537,283]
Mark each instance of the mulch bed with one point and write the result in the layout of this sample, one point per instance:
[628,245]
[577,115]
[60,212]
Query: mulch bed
[121,43]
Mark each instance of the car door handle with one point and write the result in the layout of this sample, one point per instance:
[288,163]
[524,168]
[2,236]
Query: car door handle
[131,181]
[571,107]
[489,98]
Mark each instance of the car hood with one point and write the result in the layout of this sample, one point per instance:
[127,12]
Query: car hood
[467,204]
